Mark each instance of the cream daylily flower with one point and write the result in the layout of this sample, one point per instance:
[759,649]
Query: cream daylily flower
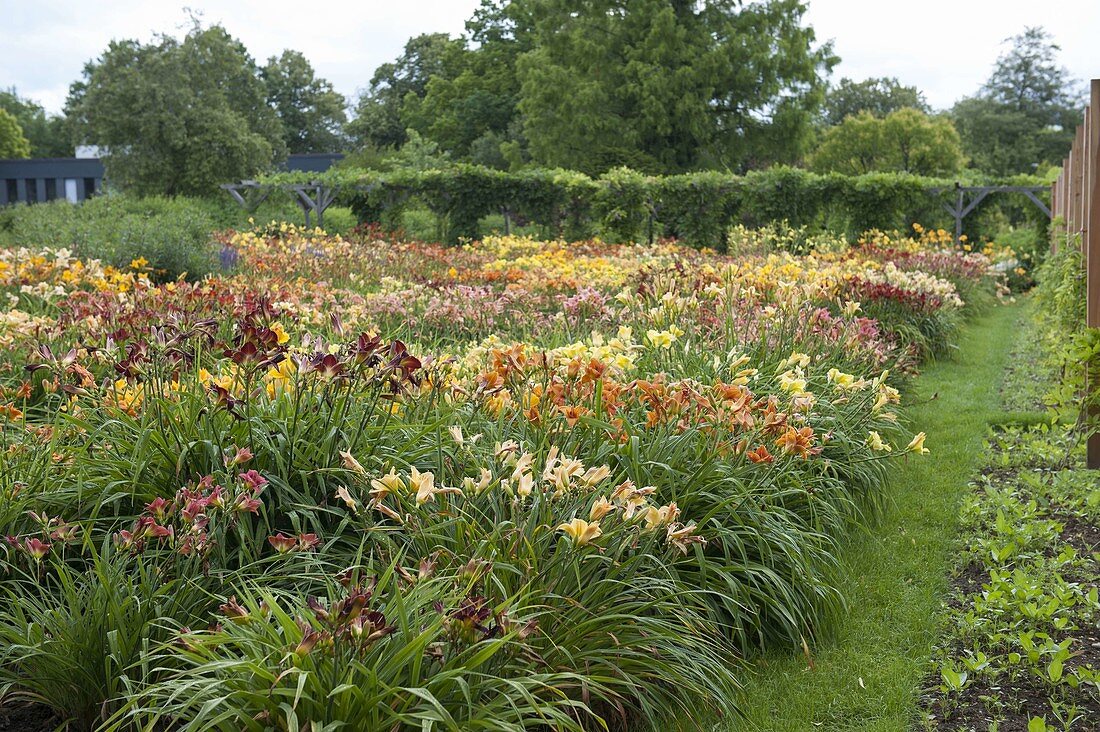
[655,517]
[874,439]
[580,531]
[389,483]
[351,463]
[525,484]
[343,495]
[425,487]
[480,484]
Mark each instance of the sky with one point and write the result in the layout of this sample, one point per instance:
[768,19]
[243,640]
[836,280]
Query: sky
[944,47]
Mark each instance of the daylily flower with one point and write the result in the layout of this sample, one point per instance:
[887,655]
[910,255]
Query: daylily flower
[798,442]
[246,503]
[310,639]
[592,476]
[580,531]
[655,517]
[600,508]
[681,536]
[424,486]
[351,463]
[308,542]
[841,379]
[874,439]
[253,480]
[917,444]
[630,499]
[475,487]
[525,485]
[158,508]
[282,543]
[343,494]
[389,483]
[760,455]
[234,610]
[793,381]
[36,548]
[240,457]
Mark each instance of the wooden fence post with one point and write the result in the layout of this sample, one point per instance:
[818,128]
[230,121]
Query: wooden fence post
[1091,242]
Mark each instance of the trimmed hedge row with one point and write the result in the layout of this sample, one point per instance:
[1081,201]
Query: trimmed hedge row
[625,205]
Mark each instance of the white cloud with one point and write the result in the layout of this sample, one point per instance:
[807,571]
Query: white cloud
[46,44]
[945,47]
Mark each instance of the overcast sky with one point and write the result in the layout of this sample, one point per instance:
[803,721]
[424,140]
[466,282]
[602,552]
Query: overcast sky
[944,47]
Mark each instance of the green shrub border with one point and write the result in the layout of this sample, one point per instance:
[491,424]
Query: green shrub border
[625,205]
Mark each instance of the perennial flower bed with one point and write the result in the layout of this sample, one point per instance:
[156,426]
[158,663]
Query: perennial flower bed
[516,484]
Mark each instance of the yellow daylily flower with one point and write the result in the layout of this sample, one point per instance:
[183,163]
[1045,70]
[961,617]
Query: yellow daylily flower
[917,444]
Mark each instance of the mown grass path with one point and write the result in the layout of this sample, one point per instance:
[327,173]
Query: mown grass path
[868,675]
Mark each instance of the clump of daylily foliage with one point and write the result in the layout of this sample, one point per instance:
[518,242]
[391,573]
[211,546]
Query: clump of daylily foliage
[512,485]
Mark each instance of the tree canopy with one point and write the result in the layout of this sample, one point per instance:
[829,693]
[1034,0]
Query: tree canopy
[1026,112]
[12,142]
[404,82]
[906,141]
[178,117]
[46,133]
[310,110]
[879,96]
[658,85]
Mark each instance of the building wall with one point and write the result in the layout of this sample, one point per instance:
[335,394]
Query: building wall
[32,180]
[45,179]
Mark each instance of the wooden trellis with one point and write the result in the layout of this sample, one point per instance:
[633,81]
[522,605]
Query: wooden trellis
[312,198]
[967,199]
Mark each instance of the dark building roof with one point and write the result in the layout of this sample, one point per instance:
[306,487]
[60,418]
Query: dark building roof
[93,167]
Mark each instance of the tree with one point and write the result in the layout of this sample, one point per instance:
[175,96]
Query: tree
[1028,78]
[417,154]
[907,140]
[177,117]
[669,85]
[879,96]
[473,113]
[12,142]
[47,134]
[1026,113]
[311,111]
[379,113]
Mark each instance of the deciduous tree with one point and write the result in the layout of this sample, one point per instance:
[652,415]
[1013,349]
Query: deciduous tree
[46,133]
[311,111]
[12,142]
[670,85]
[906,141]
[1026,113]
[177,117]
[381,114]
[879,96]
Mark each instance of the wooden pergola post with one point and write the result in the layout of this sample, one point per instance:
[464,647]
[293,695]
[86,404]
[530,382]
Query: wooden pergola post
[1090,240]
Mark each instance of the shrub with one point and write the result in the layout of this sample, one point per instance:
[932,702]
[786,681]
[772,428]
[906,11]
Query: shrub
[174,236]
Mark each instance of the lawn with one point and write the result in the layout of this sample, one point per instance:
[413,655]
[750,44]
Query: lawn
[867,675]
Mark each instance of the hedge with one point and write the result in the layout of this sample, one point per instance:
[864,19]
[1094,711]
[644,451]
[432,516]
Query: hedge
[625,205]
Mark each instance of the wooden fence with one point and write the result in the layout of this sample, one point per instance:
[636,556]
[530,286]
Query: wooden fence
[1075,204]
